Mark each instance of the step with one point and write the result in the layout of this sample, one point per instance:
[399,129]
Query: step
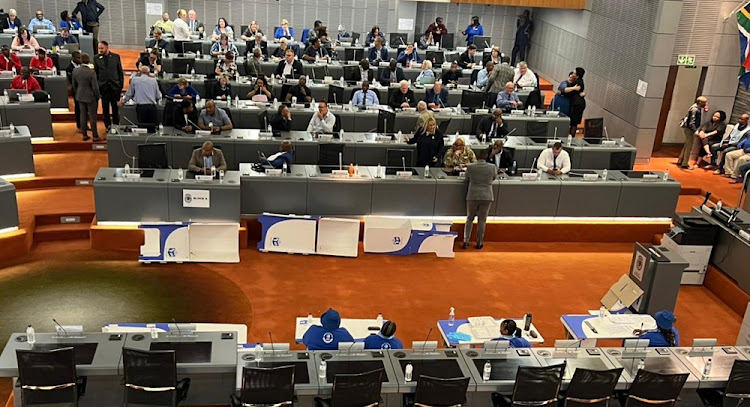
[57,218]
[66,146]
[47,233]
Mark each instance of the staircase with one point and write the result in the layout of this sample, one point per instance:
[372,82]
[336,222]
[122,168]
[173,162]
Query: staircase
[69,226]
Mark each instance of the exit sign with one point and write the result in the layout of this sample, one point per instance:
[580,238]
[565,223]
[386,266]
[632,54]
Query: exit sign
[686,60]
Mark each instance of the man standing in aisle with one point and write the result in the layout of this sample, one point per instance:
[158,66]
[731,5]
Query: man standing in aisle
[144,90]
[86,95]
[479,197]
[111,79]
[90,11]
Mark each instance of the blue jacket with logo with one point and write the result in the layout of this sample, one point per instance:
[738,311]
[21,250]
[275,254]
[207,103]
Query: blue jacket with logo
[328,336]
[515,342]
[379,341]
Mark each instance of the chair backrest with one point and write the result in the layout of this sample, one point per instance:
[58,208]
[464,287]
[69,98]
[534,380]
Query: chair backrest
[210,85]
[47,368]
[353,54]
[474,76]
[443,126]
[738,385]
[148,370]
[357,390]
[593,128]
[620,160]
[386,118]
[475,120]
[433,391]
[436,57]
[337,124]
[472,99]
[538,386]
[592,388]
[284,91]
[169,110]
[535,128]
[243,27]
[535,99]
[491,99]
[394,156]
[305,35]
[651,388]
[446,41]
[267,385]
[350,70]
[336,95]
[229,114]
[328,153]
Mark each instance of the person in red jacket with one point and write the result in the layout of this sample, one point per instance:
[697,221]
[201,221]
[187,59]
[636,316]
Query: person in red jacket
[9,61]
[25,81]
[41,62]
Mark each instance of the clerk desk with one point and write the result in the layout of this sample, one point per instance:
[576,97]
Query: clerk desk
[8,206]
[16,155]
[36,116]
[55,85]
[86,41]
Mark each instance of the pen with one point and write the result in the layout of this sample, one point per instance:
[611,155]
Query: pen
[588,324]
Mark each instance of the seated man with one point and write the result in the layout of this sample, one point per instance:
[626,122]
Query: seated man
[378,52]
[365,96]
[315,52]
[186,117]
[484,75]
[493,126]
[385,339]
[735,159]
[507,99]
[409,56]
[25,81]
[9,61]
[524,77]
[214,119]
[499,156]
[283,120]
[64,38]
[403,97]
[322,121]
[364,73]
[258,43]
[40,62]
[41,23]
[554,160]
[284,156]
[165,24]
[300,91]
[393,74]
[289,67]
[436,97]
[327,336]
[159,42]
[730,142]
[206,157]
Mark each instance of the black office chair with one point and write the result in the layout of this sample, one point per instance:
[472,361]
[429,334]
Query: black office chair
[350,71]
[436,57]
[436,392]
[386,118]
[242,29]
[475,120]
[396,157]
[535,387]
[183,65]
[491,99]
[47,377]
[336,95]
[650,388]
[593,128]
[354,54]
[210,85]
[736,391]
[473,99]
[591,388]
[535,99]
[620,160]
[151,378]
[474,76]
[229,113]
[536,128]
[443,126]
[354,390]
[337,124]
[265,386]
[284,91]
[328,153]
[169,111]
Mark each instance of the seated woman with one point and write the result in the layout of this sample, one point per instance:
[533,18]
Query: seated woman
[665,334]
[227,66]
[427,75]
[710,133]
[222,28]
[284,156]
[152,60]
[426,40]
[68,21]
[385,339]
[183,90]
[222,88]
[512,333]
[24,40]
[261,91]
[223,46]
[459,156]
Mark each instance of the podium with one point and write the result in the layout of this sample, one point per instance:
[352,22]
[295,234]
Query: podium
[658,272]
[190,242]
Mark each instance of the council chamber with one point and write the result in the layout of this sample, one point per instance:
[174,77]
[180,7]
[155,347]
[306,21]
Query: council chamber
[389,202]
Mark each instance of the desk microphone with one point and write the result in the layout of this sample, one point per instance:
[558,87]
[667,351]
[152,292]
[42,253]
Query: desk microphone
[273,347]
[65,331]
[605,133]
[402,40]
[265,120]
[486,44]
[424,344]
[403,162]
[349,351]
[334,99]
[511,132]
[176,325]
[533,163]
[129,121]
[193,124]
[705,199]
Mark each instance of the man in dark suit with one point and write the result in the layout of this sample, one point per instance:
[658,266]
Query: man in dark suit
[108,67]
[86,93]
[363,70]
[186,117]
[258,43]
[159,42]
[479,197]
[289,67]
[403,97]
[392,75]
[436,97]
[466,60]
[75,62]
[378,52]
[493,126]
[498,156]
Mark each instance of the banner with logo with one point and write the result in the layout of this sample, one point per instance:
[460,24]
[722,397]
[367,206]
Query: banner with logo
[196,198]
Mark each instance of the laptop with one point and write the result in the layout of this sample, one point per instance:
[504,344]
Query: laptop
[13,94]
[71,47]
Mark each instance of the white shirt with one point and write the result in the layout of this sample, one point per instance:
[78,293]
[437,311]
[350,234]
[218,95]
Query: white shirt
[180,30]
[288,68]
[526,80]
[322,126]
[548,160]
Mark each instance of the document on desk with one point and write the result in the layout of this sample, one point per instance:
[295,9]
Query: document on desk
[606,329]
[483,327]
[631,319]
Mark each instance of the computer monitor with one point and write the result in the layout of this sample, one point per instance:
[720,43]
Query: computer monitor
[355,37]
[472,99]
[398,39]
[354,54]
[386,121]
[71,47]
[482,41]
[182,65]
[436,57]
[152,156]
[446,41]
[192,47]
[13,94]
[336,95]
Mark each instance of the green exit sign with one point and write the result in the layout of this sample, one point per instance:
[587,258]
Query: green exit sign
[686,60]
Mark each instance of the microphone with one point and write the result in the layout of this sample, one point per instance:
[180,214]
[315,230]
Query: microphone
[705,199]
[510,132]
[441,102]
[487,45]
[403,162]
[334,99]
[176,325]
[273,348]
[605,133]
[193,124]
[129,121]
[65,331]
[349,350]
[265,120]
[341,161]
[402,40]
[424,345]
[533,163]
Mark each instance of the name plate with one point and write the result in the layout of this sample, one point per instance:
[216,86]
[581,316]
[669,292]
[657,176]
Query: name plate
[352,62]
[552,142]
[325,137]
[590,177]
[483,111]
[321,62]
[5,133]
[516,112]
[609,143]
[340,173]
[292,81]
[384,63]
[433,48]
[46,72]
[131,175]
[552,113]
[63,51]
[273,172]
[528,176]
[221,103]
[528,88]
[43,31]
[650,177]
[383,138]
[26,98]
[202,132]
[328,79]
[138,130]
[745,235]
[8,74]
[76,32]
[9,31]
[204,178]
[462,87]
[403,174]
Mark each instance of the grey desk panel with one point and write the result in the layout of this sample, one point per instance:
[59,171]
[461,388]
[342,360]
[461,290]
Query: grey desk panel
[647,198]
[722,360]
[588,198]
[528,198]
[372,153]
[505,364]
[184,144]
[664,362]
[224,199]
[17,154]
[598,156]
[338,196]
[450,194]
[128,111]
[142,200]
[575,358]
[122,147]
[36,116]
[57,87]
[285,194]
[392,196]
[8,205]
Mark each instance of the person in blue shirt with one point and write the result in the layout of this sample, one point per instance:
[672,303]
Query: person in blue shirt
[665,335]
[473,29]
[365,97]
[284,31]
[284,156]
[373,35]
[385,339]
[409,56]
[68,21]
[509,331]
[378,52]
[436,97]
[327,336]
[41,22]
[183,90]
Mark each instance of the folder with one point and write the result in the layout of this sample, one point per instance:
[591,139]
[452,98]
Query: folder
[624,290]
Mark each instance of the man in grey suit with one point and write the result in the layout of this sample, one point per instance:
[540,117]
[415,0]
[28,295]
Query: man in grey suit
[86,93]
[206,157]
[479,197]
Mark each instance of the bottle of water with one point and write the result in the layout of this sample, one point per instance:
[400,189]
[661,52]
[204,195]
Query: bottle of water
[602,312]
[283,168]
[198,54]
[163,53]
[400,135]
[377,171]
[341,134]
[570,139]
[127,168]
[211,125]
[213,171]
[154,333]
[604,174]
[322,369]
[707,368]
[342,81]
[221,175]
[270,129]
[5,93]
[641,364]
[427,175]
[309,319]
[192,72]
[161,129]
[30,335]
[408,371]
[380,319]
[180,174]
[12,128]
[236,101]
[514,168]
[666,174]
[452,317]
[719,205]
[527,322]
[258,352]
[487,371]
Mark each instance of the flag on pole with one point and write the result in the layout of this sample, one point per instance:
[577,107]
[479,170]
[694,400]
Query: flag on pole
[743,23]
